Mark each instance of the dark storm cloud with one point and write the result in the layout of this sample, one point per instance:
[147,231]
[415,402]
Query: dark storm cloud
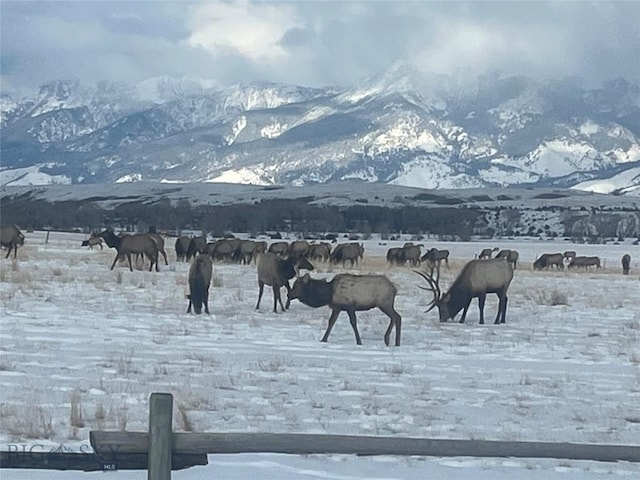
[312,42]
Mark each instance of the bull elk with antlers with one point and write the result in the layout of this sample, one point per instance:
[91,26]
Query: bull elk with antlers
[477,279]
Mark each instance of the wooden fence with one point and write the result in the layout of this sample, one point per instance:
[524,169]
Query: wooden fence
[160,449]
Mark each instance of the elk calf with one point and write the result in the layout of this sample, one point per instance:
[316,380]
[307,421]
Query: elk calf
[200,274]
[477,279]
[350,293]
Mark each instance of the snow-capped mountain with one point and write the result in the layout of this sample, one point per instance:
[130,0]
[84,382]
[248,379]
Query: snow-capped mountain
[403,127]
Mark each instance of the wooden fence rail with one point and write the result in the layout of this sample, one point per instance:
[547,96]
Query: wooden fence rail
[160,449]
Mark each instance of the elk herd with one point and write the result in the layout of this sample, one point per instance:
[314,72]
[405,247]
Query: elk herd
[281,262]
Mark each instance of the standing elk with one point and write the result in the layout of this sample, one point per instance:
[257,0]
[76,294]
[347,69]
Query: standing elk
[299,248]
[156,237]
[200,274]
[585,262]
[396,256]
[128,244]
[511,256]
[320,252]
[350,293]
[221,250]
[247,251]
[92,242]
[548,260]
[626,263]
[11,238]
[347,252]
[182,246]
[477,279]
[434,258]
[412,254]
[275,271]
[279,248]
[486,253]
[261,247]
[196,246]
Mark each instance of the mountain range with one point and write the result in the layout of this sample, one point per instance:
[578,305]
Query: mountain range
[403,127]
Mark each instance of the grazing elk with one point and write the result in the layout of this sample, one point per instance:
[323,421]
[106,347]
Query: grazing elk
[275,271]
[486,253]
[434,258]
[548,260]
[626,263]
[182,246]
[200,274]
[585,262]
[221,250]
[299,248]
[347,252]
[92,242]
[511,256]
[128,244]
[320,252]
[477,279]
[11,238]
[350,293]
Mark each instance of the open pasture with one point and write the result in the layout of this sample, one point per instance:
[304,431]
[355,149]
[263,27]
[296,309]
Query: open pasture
[82,347]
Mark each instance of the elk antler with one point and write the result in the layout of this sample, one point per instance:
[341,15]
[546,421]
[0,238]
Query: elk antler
[433,287]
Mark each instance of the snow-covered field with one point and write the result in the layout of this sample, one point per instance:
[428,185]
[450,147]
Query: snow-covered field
[82,347]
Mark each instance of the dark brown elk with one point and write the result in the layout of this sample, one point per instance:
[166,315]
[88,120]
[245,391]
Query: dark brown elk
[279,248]
[320,252]
[350,252]
[11,238]
[350,293]
[128,244]
[200,274]
[434,258]
[477,279]
[585,262]
[511,256]
[196,245]
[548,260]
[92,242]
[626,264]
[486,253]
[276,271]
[182,245]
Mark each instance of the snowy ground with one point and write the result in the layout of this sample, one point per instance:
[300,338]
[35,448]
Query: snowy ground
[82,347]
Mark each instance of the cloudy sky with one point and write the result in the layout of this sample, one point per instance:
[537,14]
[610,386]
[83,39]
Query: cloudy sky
[313,43]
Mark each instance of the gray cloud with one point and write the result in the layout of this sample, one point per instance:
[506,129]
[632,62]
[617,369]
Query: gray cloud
[313,43]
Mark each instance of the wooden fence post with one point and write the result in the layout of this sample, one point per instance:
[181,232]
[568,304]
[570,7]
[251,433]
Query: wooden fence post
[160,436]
